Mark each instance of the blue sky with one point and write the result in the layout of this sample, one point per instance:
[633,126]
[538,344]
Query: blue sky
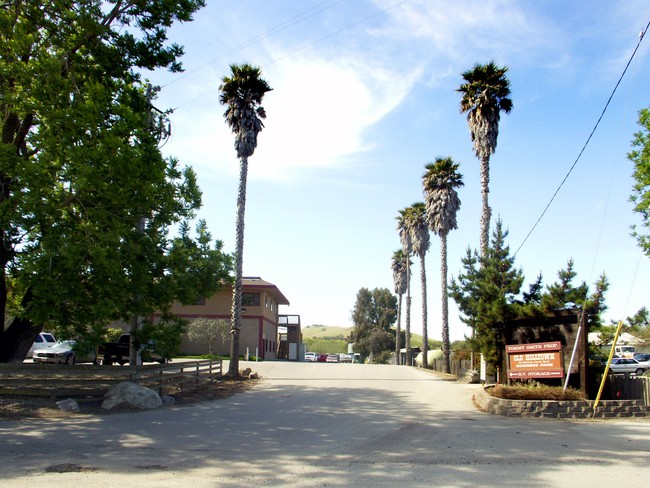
[364,97]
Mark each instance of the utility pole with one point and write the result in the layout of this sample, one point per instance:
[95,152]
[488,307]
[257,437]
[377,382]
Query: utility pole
[158,125]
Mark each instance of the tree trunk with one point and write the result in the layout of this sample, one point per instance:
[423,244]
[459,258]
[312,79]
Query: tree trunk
[407,330]
[235,326]
[398,329]
[446,348]
[486,212]
[425,332]
[19,336]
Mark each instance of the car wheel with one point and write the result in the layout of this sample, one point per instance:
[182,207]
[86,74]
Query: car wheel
[69,359]
[107,362]
[639,371]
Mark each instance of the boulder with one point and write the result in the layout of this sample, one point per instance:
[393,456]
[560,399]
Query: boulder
[133,395]
[68,405]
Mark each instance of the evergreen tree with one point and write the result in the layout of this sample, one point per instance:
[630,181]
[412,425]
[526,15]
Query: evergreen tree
[486,293]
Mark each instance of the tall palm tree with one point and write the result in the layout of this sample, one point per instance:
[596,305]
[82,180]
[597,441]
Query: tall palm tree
[416,221]
[440,182]
[400,269]
[484,95]
[407,251]
[242,93]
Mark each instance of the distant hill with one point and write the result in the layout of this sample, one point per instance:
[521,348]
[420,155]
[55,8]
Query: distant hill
[325,331]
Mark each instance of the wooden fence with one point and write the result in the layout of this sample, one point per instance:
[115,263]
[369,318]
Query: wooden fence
[458,366]
[92,380]
[628,387]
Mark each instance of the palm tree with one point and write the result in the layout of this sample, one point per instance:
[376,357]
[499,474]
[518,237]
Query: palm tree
[407,250]
[400,278]
[440,182]
[242,92]
[484,95]
[416,221]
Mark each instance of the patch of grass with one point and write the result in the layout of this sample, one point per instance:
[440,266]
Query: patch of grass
[536,392]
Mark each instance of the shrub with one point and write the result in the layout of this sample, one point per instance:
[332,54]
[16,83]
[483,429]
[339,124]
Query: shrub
[536,391]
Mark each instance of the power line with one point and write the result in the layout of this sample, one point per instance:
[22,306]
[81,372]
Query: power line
[296,19]
[273,30]
[641,36]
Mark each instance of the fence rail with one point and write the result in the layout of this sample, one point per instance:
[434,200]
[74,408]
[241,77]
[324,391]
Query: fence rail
[93,380]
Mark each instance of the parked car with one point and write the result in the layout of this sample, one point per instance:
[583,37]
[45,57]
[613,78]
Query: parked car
[345,358]
[62,352]
[310,357]
[43,340]
[332,358]
[628,365]
[321,358]
[642,357]
[118,352]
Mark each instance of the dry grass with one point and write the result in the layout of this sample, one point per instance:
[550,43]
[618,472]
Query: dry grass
[535,392]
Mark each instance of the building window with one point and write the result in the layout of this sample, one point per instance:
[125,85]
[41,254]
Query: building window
[250,299]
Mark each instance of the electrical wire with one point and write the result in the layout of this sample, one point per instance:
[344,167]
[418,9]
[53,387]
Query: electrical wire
[313,43]
[641,36]
[296,19]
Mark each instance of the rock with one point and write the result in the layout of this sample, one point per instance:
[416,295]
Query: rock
[168,401]
[68,405]
[133,395]
[470,376]
[253,376]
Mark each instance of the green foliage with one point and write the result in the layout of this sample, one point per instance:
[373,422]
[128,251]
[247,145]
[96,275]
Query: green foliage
[112,334]
[88,199]
[640,197]
[207,330]
[486,294]
[162,338]
[373,315]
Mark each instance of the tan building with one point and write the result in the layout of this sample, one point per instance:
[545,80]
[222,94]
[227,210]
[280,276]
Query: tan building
[259,318]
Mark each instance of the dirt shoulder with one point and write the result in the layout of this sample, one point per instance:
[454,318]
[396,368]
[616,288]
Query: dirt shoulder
[16,407]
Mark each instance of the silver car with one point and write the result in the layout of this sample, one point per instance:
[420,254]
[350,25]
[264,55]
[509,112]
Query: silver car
[628,365]
[62,352]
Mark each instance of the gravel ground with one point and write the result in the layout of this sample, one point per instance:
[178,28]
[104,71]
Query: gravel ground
[15,407]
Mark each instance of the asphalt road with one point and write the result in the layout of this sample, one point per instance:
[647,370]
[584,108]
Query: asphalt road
[326,425]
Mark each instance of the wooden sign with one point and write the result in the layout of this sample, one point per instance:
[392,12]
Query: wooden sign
[539,360]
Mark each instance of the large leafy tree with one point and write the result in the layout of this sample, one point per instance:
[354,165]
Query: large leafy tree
[87,199]
[484,95]
[373,315]
[442,203]
[640,156]
[400,277]
[242,92]
[407,252]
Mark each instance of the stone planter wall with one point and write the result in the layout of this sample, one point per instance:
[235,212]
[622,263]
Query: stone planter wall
[561,409]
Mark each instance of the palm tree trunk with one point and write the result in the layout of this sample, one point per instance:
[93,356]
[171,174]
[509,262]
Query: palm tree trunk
[446,349]
[425,335]
[486,212]
[398,329]
[407,331]
[235,325]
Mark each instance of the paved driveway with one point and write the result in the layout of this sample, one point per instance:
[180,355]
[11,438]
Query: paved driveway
[335,425]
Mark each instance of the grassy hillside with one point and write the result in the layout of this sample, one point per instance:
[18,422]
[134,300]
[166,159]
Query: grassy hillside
[325,332]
